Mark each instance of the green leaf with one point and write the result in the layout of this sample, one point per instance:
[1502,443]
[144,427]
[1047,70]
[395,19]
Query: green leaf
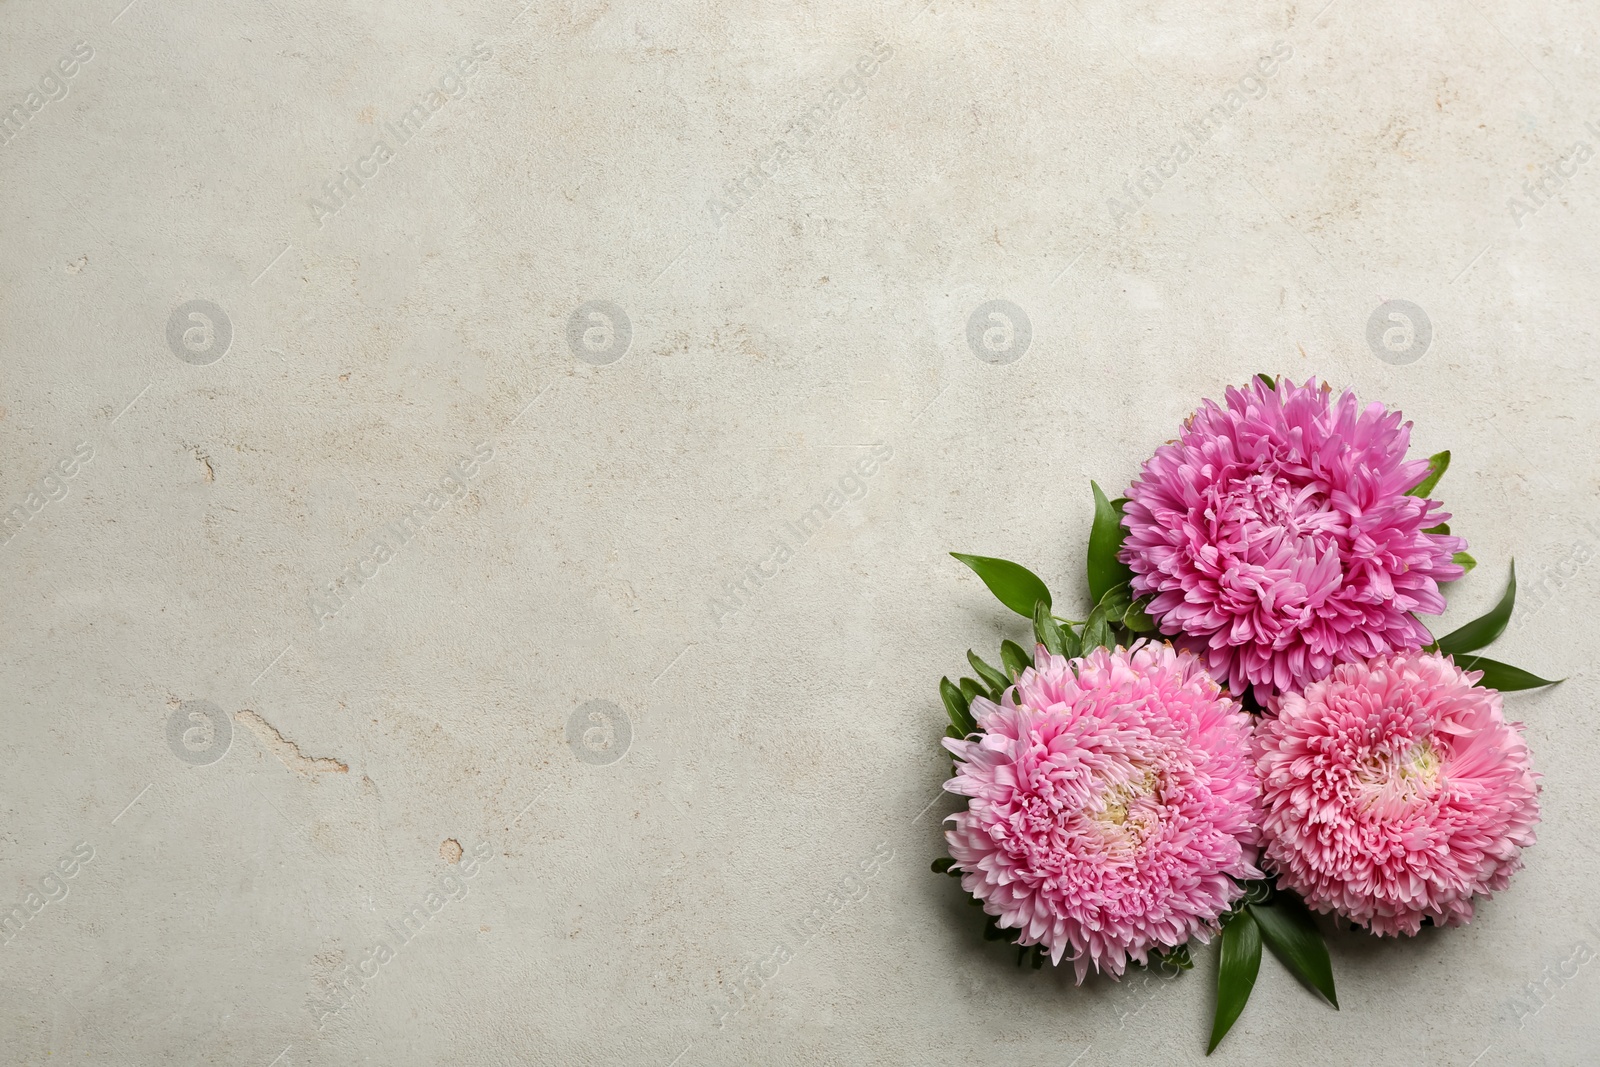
[1502,676]
[971,690]
[1464,560]
[1096,632]
[1272,383]
[1172,961]
[1288,930]
[1485,628]
[1236,973]
[1442,528]
[942,864]
[1015,658]
[996,681]
[1137,619]
[955,705]
[1437,465]
[1117,600]
[1105,538]
[1071,647]
[1016,586]
[1046,631]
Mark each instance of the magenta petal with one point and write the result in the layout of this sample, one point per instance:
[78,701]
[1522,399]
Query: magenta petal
[1279,526]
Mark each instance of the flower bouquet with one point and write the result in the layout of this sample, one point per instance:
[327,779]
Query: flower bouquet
[1251,724]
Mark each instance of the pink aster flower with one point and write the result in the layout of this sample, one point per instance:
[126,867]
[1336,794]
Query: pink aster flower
[1395,790]
[1113,803]
[1278,539]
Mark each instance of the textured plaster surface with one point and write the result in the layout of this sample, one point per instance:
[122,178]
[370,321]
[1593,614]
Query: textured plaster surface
[268,774]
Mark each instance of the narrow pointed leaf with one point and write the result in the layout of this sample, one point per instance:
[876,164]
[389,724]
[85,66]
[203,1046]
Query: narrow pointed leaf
[1442,528]
[1464,560]
[1046,631]
[1105,539]
[1437,465]
[1096,632]
[1236,973]
[971,690]
[1288,930]
[1137,619]
[1502,676]
[996,681]
[955,705]
[1117,600]
[1016,586]
[1485,628]
[1272,383]
[1071,646]
[1015,658]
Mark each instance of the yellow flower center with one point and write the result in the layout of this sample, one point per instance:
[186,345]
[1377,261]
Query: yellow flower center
[1121,816]
[1388,784]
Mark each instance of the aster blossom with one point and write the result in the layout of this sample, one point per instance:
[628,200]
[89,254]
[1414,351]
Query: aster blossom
[1277,538]
[1121,803]
[1113,804]
[1395,791]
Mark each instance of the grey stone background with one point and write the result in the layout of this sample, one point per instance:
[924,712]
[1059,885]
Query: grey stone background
[725,859]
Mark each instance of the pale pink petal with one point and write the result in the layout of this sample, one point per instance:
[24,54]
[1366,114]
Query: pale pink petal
[1395,790]
[1113,801]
